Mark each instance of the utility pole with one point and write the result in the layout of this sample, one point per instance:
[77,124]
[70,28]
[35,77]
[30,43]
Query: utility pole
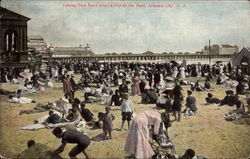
[243,42]
[209,52]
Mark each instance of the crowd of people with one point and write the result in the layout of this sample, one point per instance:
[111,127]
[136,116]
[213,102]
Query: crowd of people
[155,83]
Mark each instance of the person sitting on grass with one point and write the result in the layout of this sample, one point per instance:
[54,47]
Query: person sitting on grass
[190,153]
[207,85]
[152,96]
[18,93]
[72,115]
[240,88]
[40,108]
[162,137]
[248,106]
[240,107]
[99,123]
[236,113]
[149,96]
[37,150]
[144,97]
[107,99]
[197,87]
[30,143]
[22,100]
[116,99]
[86,97]
[73,137]
[211,100]
[190,104]
[53,118]
[164,102]
[228,99]
[86,113]
[219,81]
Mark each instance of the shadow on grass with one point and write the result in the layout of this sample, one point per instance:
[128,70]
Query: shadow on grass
[98,138]
[244,120]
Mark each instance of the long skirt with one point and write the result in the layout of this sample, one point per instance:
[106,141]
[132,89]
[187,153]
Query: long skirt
[137,142]
[136,88]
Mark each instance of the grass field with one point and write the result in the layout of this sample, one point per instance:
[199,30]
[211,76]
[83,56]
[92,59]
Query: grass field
[207,132]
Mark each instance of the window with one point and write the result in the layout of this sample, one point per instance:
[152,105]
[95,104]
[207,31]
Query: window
[7,42]
[10,39]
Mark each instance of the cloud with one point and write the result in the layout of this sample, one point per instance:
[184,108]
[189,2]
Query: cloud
[138,29]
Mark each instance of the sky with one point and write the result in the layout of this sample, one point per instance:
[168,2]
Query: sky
[186,28]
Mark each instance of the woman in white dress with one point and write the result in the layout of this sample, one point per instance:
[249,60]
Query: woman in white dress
[175,72]
[182,72]
[54,72]
[162,82]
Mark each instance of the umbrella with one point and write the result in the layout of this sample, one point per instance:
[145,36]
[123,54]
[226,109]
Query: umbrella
[173,62]
[244,63]
[170,78]
[142,67]
[93,72]
[168,91]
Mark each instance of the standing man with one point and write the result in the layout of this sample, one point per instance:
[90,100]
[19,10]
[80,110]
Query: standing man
[157,78]
[127,109]
[73,137]
[150,78]
[123,88]
[178,98]
[74,85]
[115,79]
[116,99]
[67,88]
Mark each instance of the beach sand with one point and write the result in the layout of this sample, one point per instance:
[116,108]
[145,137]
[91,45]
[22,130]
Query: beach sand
[206,132]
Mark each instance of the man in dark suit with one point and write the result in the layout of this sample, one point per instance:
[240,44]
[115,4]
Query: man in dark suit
[157,78]
[67,88]
[123,88]
[74,85]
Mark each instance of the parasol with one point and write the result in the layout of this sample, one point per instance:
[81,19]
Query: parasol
[168,78]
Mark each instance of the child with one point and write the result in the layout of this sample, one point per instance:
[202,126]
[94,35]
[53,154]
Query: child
[107,122]
[211,100]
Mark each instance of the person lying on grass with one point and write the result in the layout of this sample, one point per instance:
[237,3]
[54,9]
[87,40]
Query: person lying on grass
[210,100]
[40,108]
[22,100]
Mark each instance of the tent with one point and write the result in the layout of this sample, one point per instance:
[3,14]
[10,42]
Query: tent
[242,57]
[242,60]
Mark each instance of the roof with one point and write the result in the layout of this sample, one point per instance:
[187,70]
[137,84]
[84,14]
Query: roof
[71,50]
[228,46]
[148,53]
[243,55]
[10,15]
[35,37]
